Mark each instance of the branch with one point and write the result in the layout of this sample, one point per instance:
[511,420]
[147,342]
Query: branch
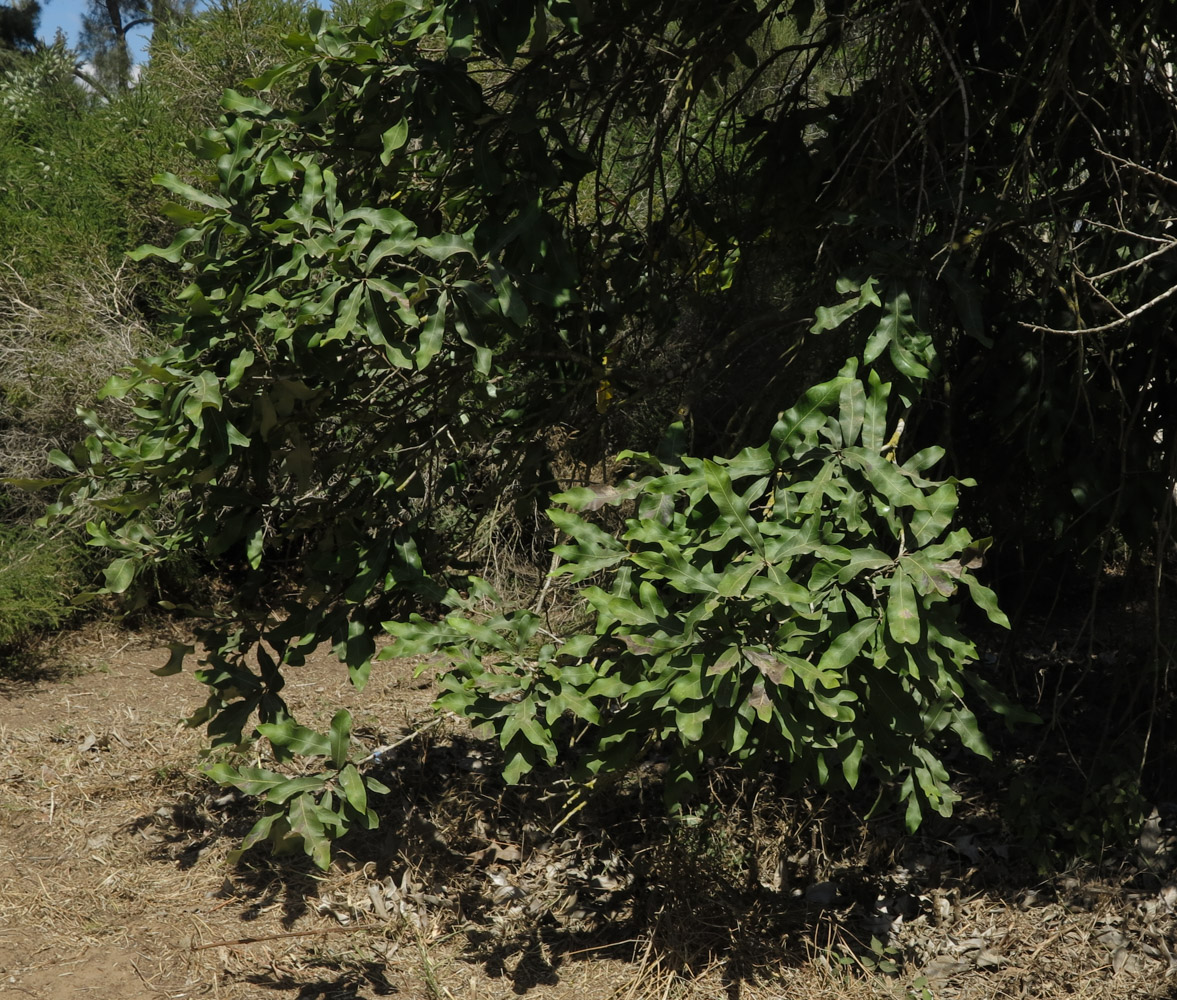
[1131,264]
[116,18]
[1136,166]
[91,82]
[1123,320]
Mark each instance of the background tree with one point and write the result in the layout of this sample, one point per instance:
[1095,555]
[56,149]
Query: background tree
[103,41]
[195,58]
[18,25]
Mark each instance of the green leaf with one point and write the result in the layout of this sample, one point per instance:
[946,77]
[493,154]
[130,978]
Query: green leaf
[680,574]
[851,410]
[796,430]
[831,317]
[177,186]
[431,334]
[965,725]
[354,789]
[691,724]
[204,391]
[240,103]
[874,423]
[289,735]
[906,363]
[892,484]
[851,763]
[445,245]
[279,168]
[261,830]
[903,613]
[176,660]
[986,600]
[860,561]
[393,139]
[999,703]
[258,781]
[238,367]
[339,737]
[914,813]
[847,646]
[517,763]
[173,253]
[923,460]
[118,576]
[736,579]
[306,821]
[751,462]
[731,506]
[62,460]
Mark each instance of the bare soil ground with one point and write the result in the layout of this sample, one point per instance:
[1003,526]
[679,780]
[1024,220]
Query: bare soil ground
[117,881]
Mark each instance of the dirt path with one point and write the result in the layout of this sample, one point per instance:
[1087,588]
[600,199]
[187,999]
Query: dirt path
[117,882]
[114,862]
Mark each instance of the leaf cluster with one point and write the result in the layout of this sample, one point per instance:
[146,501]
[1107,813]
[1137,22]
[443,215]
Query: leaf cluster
[361,280]
[306,811]
[792,603]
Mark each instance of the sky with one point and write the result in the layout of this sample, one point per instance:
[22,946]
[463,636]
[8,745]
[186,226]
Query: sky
[67,15]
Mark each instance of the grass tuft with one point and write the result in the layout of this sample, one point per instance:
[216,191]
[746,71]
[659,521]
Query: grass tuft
[38,576]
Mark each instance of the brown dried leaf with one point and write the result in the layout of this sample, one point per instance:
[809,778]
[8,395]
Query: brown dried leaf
[772,668]
[604,494]
[759,697]
[636,645]
[940,579]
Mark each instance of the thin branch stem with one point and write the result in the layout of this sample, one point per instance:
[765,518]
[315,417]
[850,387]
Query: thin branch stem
[1127,318]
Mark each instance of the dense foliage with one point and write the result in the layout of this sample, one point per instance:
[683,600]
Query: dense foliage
[802,617]
[448,261]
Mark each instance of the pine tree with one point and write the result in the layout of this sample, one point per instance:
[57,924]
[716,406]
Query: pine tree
[105,28]
[18,27]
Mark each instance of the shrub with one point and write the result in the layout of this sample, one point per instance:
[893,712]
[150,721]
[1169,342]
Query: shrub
[792,603]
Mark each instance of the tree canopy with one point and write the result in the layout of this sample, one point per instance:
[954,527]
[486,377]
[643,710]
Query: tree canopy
[18,24]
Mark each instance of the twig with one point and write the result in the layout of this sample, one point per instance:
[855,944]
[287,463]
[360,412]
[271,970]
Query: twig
[539,604]
[1136,166]
[143,978]
[967,130]
[1046,944]
[1127,318]
[602,947]
[404,739]
[282,937]
[1168,247]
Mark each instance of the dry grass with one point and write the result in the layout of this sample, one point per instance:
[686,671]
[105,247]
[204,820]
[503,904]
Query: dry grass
[58,346]
[118,882]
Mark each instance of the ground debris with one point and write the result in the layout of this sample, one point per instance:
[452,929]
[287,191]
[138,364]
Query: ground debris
[118,849]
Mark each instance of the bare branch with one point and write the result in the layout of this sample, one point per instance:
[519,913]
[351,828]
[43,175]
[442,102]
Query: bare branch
[91,82]
[1132,263]
[1122,321]
[1139,168]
